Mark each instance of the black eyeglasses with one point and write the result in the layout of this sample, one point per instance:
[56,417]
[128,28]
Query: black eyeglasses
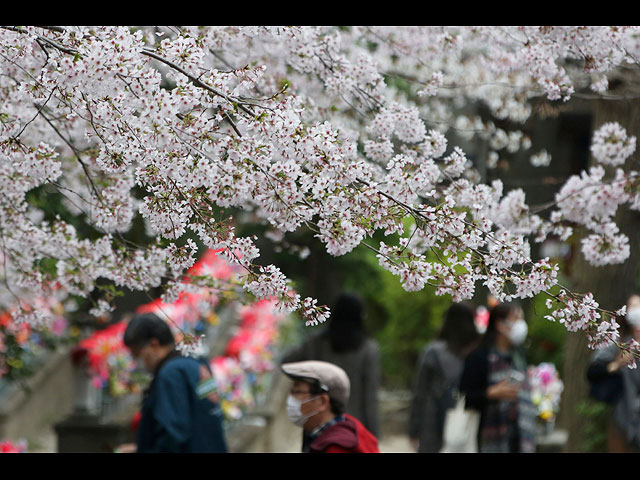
[299,393]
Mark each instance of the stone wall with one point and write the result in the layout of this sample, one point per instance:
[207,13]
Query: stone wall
[26,409]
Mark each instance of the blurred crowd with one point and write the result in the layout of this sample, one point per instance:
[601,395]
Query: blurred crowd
[473,389]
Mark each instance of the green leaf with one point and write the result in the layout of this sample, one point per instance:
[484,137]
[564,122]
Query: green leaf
[15,362]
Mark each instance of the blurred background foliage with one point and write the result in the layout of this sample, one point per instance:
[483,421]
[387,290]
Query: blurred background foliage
[546,338]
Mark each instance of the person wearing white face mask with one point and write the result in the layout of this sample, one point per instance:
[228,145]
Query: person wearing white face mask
[612,382]
[316,402]
[345,343]
[494,382]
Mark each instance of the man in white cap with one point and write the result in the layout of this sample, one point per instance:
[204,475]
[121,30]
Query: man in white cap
[316,402]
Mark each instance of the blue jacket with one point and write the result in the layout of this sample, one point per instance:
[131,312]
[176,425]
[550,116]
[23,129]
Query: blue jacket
[178,417]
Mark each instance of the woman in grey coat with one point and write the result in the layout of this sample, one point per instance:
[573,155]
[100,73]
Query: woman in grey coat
[438,376]
[345,344]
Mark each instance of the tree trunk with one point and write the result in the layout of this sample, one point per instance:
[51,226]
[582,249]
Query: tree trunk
[611,286]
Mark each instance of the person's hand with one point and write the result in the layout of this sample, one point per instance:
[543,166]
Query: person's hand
[505,390]
[126,448]
[621,360]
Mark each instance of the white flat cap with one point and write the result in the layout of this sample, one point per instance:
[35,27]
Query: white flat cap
[332,378]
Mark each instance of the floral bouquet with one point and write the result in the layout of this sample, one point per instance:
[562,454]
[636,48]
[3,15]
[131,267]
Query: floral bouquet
[546,390]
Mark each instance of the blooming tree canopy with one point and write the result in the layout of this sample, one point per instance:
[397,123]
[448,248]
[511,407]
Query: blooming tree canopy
[305,128]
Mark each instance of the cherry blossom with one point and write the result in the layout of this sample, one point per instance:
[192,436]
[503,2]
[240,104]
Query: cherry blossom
[541,159]
[345,131]
[611,145]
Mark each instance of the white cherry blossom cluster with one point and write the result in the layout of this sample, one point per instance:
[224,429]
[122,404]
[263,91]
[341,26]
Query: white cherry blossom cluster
[507,250]
[606,248]
[339,130]
[102,308]
[542,276]
[511,141]
[181,258]
[611,145]
[582,313]
[600,85]
[413,269]
[541,159]
[269,282]
[431,88]
[173,289]
[593,200]
[313,313]
[114,209]
[191,345]
[632,347]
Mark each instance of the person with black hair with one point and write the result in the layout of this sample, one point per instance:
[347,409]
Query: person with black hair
[614,383]
[317,399]
[344,343]
[438,375]
[494,383]
[180,410]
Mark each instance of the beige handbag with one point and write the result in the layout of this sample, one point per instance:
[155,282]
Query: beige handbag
[460,433]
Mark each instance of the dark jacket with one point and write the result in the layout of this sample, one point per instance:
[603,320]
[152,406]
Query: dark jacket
[347,435]
[175,418]
[625,386]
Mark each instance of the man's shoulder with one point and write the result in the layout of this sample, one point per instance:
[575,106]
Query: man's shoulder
[180,364]
[343,433]
[434,348]
[348,434]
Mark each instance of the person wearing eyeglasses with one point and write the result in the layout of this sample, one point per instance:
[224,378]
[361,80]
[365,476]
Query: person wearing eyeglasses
[316,403]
